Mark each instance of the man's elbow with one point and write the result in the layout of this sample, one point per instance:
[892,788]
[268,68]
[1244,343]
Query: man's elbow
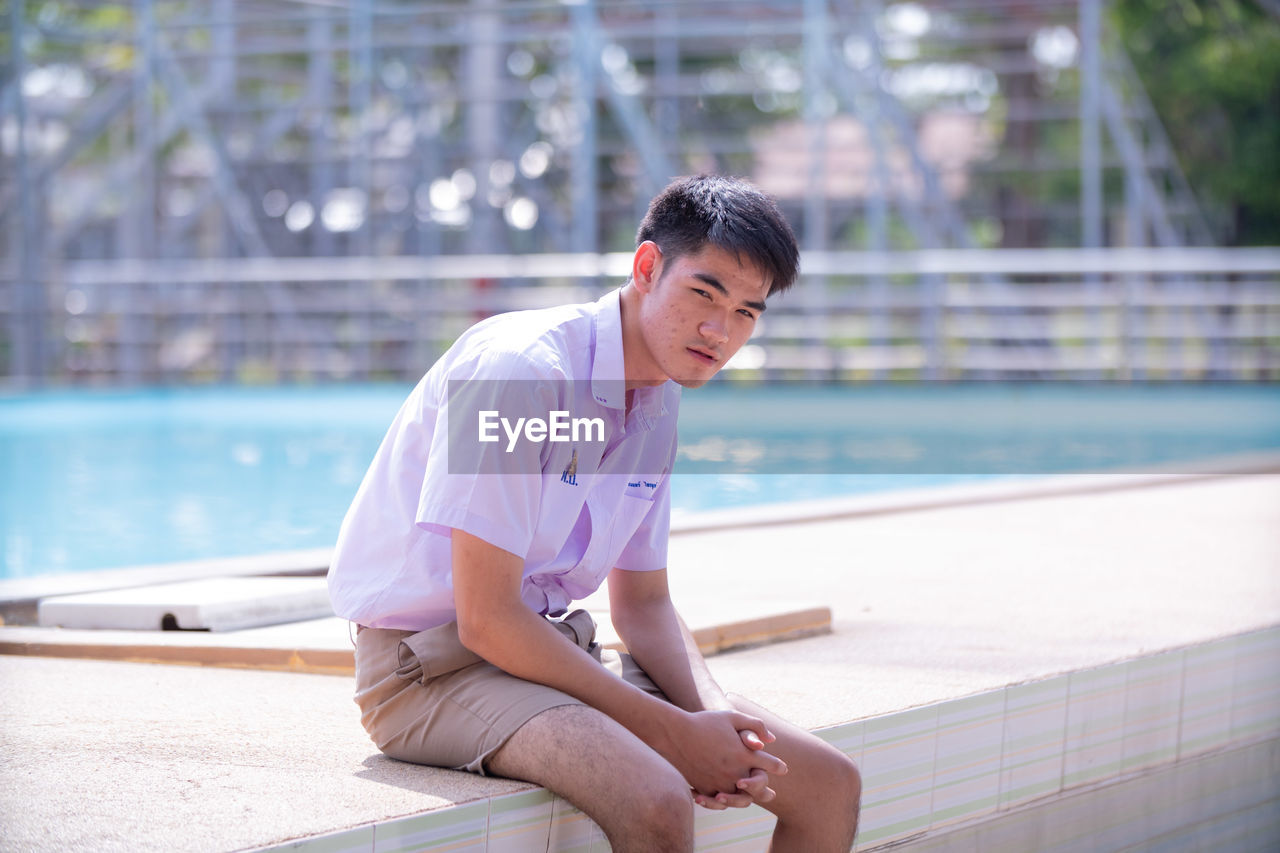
[473,633]
[634,622]
[490,631]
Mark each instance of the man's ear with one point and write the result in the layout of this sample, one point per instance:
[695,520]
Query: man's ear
[646,266]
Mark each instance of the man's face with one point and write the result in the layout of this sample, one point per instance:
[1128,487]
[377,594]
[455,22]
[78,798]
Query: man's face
[702,308]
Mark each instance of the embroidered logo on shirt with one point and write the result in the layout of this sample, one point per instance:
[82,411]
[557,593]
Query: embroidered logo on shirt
[641,488]
[570,474]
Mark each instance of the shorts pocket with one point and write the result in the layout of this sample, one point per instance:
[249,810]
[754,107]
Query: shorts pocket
[580,629]
[432,653]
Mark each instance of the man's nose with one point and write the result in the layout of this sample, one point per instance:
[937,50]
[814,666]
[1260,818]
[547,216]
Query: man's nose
[714,330]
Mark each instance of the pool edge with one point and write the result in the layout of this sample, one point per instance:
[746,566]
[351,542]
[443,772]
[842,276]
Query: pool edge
[20,596]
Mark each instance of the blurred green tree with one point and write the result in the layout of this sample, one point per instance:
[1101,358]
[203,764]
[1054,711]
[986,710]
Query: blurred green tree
[1212,70]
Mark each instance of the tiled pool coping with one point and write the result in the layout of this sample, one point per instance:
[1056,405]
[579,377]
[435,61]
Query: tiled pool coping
[937,766]
[991,605]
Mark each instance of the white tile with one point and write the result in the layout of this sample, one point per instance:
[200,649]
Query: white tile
[1152,707]
[457,829]
[1067,824]
[1032,746]
[946,841]
[1093,748]
[846,737]
[967,765]
[1125,816]
[897,775]
[1208,673]
[733,830]
[599,842]
[358,840]
[520,822]
[1255,708]
[571,830]
[1009,833]
[960,841]
[1254,828]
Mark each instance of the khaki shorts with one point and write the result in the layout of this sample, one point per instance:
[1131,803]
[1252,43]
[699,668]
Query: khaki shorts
[426,698]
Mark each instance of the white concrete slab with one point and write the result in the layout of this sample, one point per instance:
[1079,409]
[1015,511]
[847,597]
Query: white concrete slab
[310,561]
[928,606]
[210,604]
[327,645]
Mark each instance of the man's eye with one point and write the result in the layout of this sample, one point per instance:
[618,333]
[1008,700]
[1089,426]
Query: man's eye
[745,313]
[702,293]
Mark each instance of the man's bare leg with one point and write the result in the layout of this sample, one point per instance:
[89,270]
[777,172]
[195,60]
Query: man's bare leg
[818,798]
[638,799]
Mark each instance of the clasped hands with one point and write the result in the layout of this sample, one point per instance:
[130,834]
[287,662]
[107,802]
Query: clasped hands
[725,762]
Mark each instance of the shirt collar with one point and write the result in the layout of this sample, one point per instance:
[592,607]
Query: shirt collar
[608,369]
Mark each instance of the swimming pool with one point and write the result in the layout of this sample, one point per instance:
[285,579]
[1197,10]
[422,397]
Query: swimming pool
[97,479]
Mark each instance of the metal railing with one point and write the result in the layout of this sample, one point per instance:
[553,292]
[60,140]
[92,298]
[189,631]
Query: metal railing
[247,130]
[1141,314]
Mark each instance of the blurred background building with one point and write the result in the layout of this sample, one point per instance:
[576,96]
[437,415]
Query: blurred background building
[318,190]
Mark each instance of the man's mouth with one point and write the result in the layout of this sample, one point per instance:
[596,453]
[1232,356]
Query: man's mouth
[703,355]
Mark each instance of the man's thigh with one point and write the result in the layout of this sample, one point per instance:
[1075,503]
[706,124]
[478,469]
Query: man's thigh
[456,718]
[425,698]
[602,768]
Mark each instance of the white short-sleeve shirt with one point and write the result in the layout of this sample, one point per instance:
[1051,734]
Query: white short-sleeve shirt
[573,503]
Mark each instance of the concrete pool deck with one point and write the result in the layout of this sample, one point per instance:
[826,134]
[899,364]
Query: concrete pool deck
[929,605]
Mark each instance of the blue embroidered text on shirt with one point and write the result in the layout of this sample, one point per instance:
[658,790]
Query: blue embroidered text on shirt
[651,485]
[570,474]
[634,485]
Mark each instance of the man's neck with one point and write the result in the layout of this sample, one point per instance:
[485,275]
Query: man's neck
[636,362]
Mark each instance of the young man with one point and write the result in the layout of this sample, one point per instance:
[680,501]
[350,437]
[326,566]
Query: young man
[531,462]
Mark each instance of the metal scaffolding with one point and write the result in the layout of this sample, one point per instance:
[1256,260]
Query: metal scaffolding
[196,136]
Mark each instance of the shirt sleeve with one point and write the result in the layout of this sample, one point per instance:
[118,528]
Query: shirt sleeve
[480,478]
[647,549]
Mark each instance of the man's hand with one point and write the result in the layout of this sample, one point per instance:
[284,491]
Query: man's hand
[753,788]
[726,765]
[721,755]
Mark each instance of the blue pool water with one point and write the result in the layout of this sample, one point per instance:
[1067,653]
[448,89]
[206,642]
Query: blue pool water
[106,479]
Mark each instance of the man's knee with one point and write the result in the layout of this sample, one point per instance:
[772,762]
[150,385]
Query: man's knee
[659,809]
[842,778]
[664,814]
[845,790]
[849,780]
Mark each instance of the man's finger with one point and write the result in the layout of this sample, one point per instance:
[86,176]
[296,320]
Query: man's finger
[750,739]
[743,721]
[734,801]
[768,763]
[757,788]
[709,803]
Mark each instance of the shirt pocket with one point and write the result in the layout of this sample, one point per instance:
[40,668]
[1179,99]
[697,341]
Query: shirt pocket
[627,518]
[613,521]
[641,489]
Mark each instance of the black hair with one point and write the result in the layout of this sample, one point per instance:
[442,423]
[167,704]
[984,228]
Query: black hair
[728,213]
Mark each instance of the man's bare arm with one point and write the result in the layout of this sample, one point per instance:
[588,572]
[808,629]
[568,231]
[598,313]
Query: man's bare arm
[655,635]
[661,643]
[495,623]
